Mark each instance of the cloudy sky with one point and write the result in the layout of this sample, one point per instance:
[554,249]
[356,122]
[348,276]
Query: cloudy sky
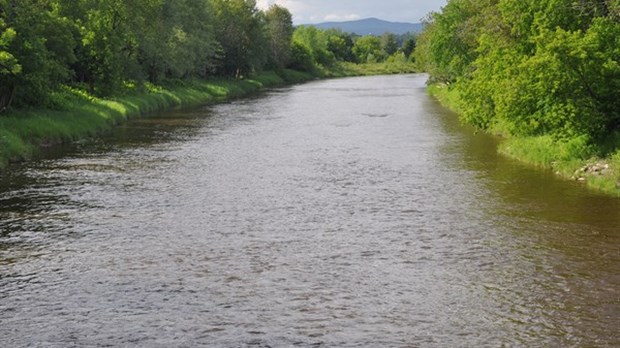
[316,11]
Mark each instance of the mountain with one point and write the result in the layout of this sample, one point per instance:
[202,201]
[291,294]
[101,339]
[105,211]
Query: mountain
[372,26]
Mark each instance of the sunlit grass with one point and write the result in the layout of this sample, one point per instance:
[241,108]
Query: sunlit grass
[566,157]
[448,97]
[76,114]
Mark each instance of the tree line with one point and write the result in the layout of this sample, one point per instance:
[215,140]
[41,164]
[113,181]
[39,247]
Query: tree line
[102,45]
[325,47]
[530,67]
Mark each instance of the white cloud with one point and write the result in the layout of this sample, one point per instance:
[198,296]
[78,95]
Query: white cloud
[333,17]
[298,8]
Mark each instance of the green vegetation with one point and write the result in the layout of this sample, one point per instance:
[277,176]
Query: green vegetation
[82,115]
[545,74]
[315,48]
[70,69]
[99,45]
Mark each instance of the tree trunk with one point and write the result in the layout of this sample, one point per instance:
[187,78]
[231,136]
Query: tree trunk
[7,94]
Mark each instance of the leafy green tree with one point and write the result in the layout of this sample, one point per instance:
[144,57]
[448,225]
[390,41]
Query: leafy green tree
[367,49]
[107,44]
[455,31]
[316,41]
[408,46]
[190,38]
[389,44]
[340,44]
[570,86]
[9,65]
[280,32]
[532,67]
[37,46]
[301,58]
[239,30]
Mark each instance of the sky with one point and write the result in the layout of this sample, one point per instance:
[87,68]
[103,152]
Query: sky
[316,11]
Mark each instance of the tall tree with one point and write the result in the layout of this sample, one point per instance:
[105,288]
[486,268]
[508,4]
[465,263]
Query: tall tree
[315,41]
[9,66]
[37,47]
[107,44]
[238,28]
[280,33]
[389,44]
[340,44]
[409,46]
[367,49]
[169,39]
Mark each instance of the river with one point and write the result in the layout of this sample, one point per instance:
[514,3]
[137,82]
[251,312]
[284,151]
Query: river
[351,212]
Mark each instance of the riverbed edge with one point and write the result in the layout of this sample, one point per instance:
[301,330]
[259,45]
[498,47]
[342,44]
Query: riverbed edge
[598,173]
[25,132]
[77,115]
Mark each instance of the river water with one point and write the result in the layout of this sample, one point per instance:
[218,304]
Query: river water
[344,213]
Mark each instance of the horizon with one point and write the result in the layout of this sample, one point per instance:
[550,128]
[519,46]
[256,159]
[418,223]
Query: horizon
[360,20]
[319,11]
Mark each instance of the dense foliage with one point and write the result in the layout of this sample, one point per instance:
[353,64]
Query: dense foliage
[530,67]
[325,47]
[102,46]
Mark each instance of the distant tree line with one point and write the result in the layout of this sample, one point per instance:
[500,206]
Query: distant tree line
[531,67]
[325,47]
[100,45]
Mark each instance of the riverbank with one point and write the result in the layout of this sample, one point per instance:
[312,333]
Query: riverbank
[76,114]
[572,159]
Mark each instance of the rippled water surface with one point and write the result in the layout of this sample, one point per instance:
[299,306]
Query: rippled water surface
[343,213]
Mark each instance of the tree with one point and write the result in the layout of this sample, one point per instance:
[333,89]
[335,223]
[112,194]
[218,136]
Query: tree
[316,41]
[107,45]
[340,45]
[535,67]
[9,66]
[301,58]
[37,46]
[280,32]
[389,44]
[455,31]
[238,29]
[367,49]
[409,46]
[189,38]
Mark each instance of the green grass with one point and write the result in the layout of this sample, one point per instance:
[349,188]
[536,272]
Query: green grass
[77,114]
[294,76]
[565,157]
[446,96]
[368,69]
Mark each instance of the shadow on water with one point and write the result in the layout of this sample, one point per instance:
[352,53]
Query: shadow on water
[562,236]
[538,192]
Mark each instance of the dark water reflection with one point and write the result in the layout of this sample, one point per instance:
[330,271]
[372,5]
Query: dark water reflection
[344,213]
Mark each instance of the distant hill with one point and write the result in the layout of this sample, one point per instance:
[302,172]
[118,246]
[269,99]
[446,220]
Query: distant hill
[372,26]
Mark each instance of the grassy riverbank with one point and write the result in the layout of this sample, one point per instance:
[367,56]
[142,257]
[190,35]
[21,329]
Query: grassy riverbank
[573,159]
[76,114]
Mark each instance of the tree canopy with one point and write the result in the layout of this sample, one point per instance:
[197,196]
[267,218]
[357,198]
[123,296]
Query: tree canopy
[531,67]
[101,45]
